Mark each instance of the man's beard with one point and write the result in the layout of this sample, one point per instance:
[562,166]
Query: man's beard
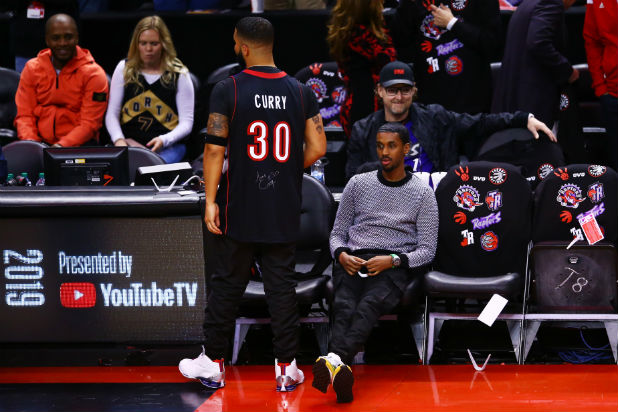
[241,61]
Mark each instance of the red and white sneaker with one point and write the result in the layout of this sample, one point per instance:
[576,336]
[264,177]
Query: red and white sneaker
[210,372]
[288,376]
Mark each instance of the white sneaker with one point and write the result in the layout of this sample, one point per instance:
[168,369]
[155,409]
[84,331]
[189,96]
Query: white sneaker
[210,373]
[288,376]
[324,370]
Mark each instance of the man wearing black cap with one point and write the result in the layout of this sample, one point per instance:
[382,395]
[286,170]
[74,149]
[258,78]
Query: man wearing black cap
[435,132]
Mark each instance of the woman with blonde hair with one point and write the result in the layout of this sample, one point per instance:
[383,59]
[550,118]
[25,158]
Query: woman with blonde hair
[151,94]
[361,46]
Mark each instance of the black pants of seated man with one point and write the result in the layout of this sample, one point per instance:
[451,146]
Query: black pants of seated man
[228,268]
[358,304]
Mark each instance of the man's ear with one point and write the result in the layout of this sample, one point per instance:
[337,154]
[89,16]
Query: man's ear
[406,148]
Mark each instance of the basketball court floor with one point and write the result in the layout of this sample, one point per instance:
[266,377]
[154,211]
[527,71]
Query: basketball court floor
[504,388]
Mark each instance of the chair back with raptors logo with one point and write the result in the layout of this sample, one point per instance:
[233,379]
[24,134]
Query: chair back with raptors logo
[325,81]
[485,215]
[568,194]
[485,218]
[572,272]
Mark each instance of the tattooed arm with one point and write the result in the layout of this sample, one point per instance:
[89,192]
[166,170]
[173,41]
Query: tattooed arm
[218,127]
[315,140]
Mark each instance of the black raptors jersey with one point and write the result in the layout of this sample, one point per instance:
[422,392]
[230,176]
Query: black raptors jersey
[148,111]
[259,196]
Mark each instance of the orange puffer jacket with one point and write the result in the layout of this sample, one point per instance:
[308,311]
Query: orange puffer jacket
[65,108]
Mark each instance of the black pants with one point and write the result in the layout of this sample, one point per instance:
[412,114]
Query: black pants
[358,304]
[228,265]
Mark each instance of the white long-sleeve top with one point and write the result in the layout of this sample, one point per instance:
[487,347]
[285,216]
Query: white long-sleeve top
[185,97]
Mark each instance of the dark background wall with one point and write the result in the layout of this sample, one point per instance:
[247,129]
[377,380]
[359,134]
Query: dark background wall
[204,41]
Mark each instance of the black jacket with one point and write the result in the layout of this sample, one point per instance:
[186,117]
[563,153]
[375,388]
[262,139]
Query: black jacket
[534,67]
[437,130]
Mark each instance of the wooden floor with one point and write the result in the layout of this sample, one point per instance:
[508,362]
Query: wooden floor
[503,388]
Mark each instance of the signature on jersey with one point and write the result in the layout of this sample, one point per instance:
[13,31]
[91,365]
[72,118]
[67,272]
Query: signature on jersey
[266,181]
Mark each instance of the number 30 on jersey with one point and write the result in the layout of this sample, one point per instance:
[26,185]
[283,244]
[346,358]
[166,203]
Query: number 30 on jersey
[260,147]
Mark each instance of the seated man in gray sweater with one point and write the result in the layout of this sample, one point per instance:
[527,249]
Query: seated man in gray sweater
[385,231]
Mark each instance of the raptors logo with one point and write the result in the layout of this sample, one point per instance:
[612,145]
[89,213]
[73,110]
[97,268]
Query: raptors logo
[316,68]
[566,216]
[460,217]
[468,238]
[430,29]
[596,192]
[564,102]
[596,170]
[489,241]
[562,173]
[319,88]
[493,200]
[497,175]
[463,173]
[544,170]
[459,5]
[453,65]
[467,198]
[570,195]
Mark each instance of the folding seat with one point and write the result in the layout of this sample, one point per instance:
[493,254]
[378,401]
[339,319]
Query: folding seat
[485,222]
[25,156]
[9,80]
[570,279]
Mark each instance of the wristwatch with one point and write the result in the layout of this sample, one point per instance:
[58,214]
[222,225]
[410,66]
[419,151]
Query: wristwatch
[396,260]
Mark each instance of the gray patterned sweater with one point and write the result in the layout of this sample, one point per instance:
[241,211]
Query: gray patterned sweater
[397,217]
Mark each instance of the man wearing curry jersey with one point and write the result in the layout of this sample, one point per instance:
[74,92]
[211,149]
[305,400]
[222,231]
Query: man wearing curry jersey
[262,117]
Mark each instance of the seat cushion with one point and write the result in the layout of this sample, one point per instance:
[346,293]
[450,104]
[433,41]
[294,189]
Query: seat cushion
[444,285]
[308,291]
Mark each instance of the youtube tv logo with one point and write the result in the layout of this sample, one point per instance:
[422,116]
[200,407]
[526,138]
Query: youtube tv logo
[78,295]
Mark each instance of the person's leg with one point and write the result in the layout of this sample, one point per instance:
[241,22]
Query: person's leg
[227,274]
[228,266]
[330,368]
[348,290]
[379,298]
[609,107]
[309,4]
[277,264]
[174,153]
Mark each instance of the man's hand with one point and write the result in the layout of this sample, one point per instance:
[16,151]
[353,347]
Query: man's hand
[155,144]
[56,145]
[378,264]
[535,126]
[350,263]
[574,75]
[211,218]
[441,15]
[121,143]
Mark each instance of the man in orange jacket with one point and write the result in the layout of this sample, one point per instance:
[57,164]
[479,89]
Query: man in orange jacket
[62,93]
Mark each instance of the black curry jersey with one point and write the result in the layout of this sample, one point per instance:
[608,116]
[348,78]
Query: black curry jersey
[259,196]
[148,111]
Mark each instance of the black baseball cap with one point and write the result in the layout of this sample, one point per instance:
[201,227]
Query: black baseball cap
[396,73]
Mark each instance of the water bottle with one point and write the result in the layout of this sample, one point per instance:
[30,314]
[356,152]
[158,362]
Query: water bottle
[10,180]
[26,181]
[41,181]
[317,170]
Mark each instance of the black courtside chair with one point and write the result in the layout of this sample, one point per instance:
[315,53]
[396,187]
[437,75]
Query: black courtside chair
[485,219]
[578,284]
